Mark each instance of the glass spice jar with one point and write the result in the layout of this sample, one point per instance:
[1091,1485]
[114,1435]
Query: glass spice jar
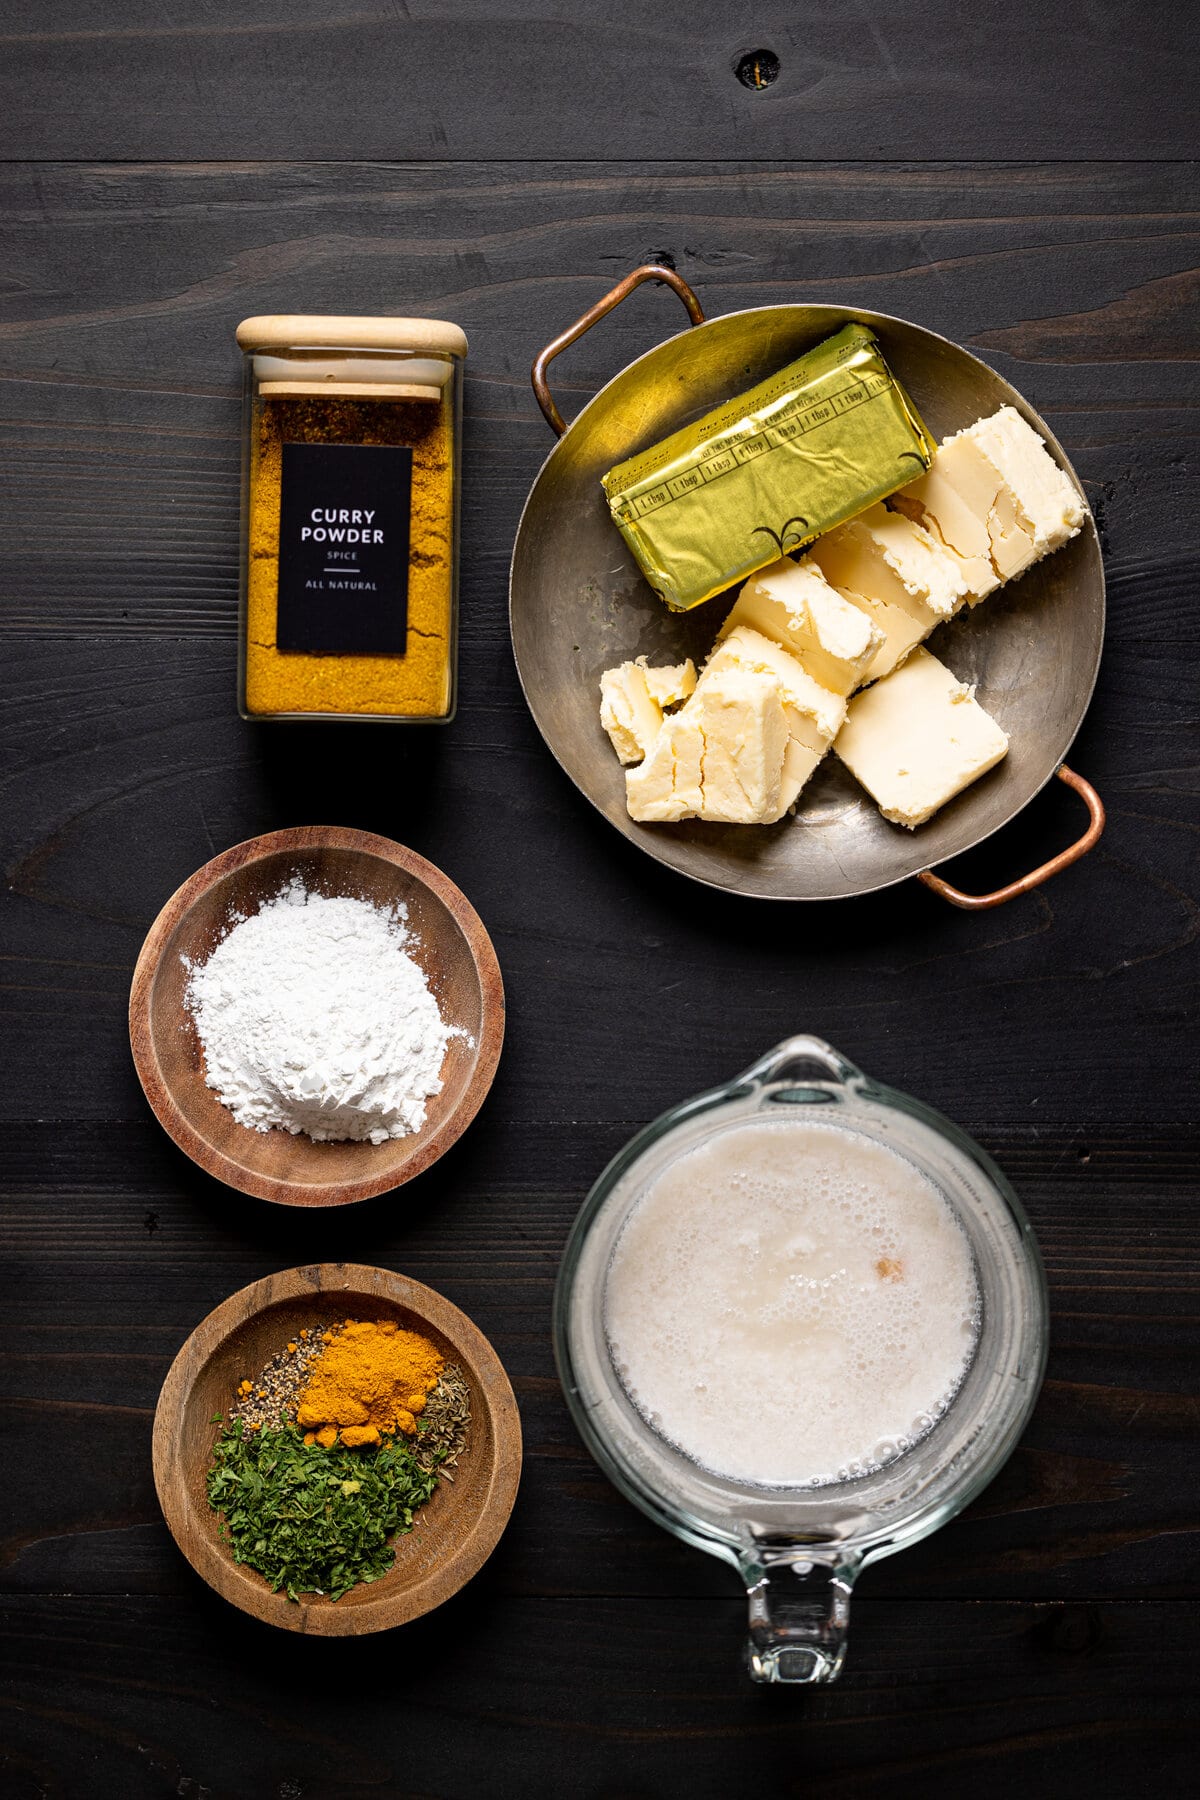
[350,481]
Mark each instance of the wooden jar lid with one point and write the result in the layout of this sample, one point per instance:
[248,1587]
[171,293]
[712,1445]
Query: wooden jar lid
[362,390]
[297,331]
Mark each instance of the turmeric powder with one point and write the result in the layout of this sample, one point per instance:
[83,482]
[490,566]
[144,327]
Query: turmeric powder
[417,684]
[372,1381]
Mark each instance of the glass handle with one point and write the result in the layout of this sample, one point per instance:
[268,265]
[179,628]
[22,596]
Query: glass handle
[799,1613]
[802,1059]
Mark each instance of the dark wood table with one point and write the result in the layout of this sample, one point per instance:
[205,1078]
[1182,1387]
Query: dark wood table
[1010,178]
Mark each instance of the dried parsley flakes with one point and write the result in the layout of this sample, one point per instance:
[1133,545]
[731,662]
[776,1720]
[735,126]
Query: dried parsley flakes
[313,1520]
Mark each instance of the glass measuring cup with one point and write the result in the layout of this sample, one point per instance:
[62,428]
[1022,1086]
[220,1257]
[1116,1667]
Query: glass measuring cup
[799,1550]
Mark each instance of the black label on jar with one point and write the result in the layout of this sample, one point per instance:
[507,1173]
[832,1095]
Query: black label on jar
[343,549]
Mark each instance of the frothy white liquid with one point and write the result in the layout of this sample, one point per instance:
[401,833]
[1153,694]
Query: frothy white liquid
[790,1303]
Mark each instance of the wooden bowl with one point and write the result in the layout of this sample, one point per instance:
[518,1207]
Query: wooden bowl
[459,1526]
[451,946]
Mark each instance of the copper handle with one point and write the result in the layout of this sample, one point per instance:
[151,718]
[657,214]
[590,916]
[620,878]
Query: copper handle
[1035,878]
[647,272]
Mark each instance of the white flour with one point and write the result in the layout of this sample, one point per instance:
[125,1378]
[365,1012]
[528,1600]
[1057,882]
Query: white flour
[313,1017]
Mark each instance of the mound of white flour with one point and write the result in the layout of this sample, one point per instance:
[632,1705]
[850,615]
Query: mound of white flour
[313,1017]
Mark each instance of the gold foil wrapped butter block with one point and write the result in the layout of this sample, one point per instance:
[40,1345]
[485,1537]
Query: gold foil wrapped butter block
[769,471]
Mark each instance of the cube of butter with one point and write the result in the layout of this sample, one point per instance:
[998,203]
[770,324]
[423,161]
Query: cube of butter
[745,741]
[942,502]
[996,498]
[814,714]
[898,574]
[917,738]
[721,758]
[667,785]
[793,603]
[747,649]
[632,699]
[903,552]
[629,712]
[669,685]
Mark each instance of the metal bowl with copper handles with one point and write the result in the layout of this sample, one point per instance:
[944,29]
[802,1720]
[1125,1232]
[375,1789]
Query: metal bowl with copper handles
[577,605]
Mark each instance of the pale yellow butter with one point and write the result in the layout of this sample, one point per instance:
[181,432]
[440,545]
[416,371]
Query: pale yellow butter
[954,503]
[814,714]
[667,785]
[633,698]
[853,563]
[745,740]
[896,548]
[629,712]
[721,758]
[996,498]
[793,604]
[1050,508]
[750,650]
[917,738]
[668,686]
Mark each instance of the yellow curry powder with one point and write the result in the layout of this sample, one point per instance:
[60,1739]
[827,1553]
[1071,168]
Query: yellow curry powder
[416,684]
[371,1381]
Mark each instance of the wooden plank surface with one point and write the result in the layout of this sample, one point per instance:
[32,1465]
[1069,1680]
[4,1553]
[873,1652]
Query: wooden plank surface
[617,1698]
[1047,1639]
[550,79]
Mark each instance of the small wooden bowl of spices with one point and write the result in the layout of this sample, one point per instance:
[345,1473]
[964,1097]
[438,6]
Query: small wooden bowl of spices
[405,1518]
[316,1016]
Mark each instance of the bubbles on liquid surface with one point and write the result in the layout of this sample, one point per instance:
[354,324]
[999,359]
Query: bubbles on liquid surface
[789,1302]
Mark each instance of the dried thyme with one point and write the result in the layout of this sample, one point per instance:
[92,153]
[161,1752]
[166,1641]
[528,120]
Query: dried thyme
[442,1428]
